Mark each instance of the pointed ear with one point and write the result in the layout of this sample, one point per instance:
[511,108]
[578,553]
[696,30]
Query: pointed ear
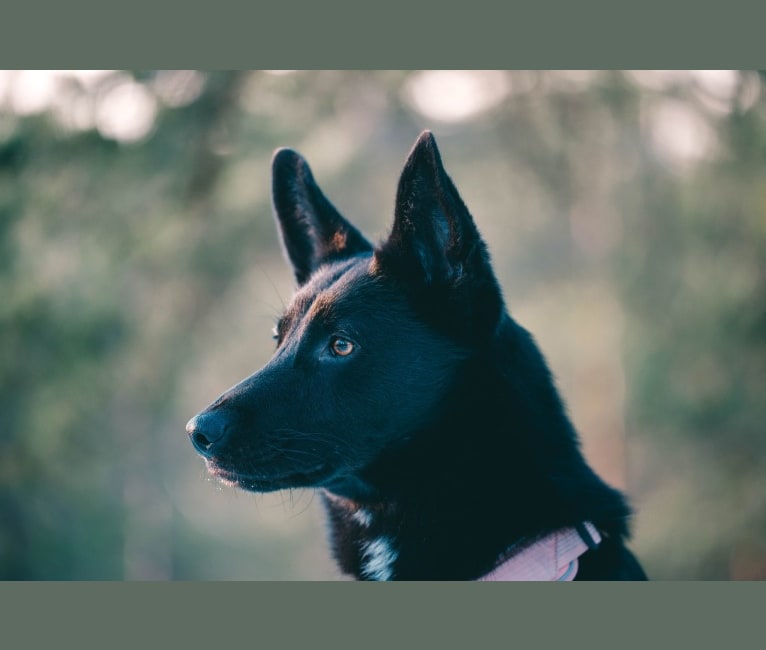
[312,230]
[435,249]
[434,237]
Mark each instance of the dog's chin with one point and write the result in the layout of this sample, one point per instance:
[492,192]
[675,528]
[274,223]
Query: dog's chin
[271,482]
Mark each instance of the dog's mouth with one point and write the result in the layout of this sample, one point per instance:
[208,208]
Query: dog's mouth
[270,482]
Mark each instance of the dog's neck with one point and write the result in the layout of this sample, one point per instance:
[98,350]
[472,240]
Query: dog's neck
[442,529]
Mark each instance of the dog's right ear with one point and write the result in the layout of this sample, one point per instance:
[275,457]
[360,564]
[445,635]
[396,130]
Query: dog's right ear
[313,231]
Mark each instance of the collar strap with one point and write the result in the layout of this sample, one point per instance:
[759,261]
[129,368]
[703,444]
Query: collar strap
[552,558]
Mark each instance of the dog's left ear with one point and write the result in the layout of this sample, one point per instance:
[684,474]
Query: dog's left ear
[434,242]
[313,231]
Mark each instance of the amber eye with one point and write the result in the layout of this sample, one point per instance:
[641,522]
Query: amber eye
[341,347]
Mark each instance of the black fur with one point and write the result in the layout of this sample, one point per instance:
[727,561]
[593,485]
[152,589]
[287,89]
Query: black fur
[441,431]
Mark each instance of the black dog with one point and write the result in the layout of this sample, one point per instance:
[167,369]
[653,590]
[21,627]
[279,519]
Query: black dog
[402,388]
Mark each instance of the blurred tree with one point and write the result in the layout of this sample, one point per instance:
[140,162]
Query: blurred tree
[694,280]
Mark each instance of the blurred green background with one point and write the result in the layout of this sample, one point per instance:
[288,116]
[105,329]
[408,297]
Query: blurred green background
[140,276]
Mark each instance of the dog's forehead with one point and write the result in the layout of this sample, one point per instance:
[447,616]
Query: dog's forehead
[333,285]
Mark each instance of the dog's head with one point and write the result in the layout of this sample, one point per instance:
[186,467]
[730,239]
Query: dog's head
[371,341]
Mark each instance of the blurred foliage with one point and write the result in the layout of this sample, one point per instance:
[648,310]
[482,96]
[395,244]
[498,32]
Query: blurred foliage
[140,273]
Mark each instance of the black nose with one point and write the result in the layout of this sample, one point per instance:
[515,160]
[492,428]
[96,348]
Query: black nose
[205,430]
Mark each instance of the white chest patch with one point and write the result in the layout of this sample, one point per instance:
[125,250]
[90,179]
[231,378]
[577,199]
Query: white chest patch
[377,558]
[362,517]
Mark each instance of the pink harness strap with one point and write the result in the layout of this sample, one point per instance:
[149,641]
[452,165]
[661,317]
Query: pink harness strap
[553,558]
